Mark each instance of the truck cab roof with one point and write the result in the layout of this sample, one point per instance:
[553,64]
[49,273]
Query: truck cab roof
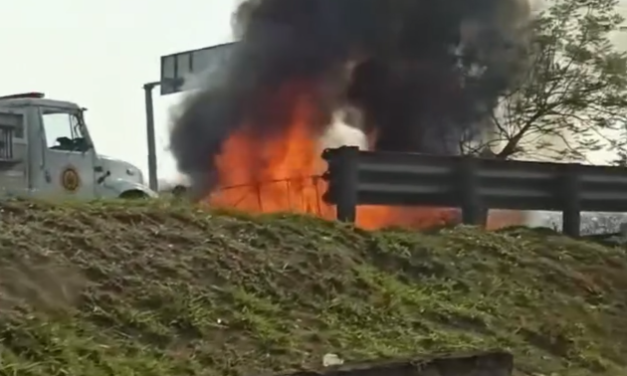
[33,99]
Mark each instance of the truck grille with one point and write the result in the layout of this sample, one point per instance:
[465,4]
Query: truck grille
[6,143]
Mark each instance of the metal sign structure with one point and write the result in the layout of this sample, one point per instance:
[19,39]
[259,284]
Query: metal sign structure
[178,68]
[178,72]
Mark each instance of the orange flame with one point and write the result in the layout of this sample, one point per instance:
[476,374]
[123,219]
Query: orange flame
[281,172]
[277,172]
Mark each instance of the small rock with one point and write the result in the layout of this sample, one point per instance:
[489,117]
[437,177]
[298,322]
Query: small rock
[331,360]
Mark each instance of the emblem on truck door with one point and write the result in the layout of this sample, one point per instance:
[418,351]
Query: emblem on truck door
[70,180]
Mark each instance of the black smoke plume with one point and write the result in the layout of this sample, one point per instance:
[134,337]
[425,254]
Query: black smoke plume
[423,72]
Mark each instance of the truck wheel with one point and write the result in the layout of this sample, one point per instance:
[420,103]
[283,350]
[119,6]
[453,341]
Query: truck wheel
[133,195]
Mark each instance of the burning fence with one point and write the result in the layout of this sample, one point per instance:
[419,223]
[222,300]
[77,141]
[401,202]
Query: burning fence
[406,75]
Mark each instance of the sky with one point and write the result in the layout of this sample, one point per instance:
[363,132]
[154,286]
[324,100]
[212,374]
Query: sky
[99,55]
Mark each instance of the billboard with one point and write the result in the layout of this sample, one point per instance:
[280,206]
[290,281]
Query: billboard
[180,70]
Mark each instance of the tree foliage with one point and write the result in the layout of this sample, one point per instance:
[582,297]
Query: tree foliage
[571,96]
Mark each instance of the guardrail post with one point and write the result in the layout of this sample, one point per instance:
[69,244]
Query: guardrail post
[343,180]
[473,210]
[571,195]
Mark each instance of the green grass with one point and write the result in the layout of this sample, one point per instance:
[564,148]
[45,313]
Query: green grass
[153,288]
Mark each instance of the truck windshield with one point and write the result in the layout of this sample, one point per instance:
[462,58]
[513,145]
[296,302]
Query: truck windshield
[64,130]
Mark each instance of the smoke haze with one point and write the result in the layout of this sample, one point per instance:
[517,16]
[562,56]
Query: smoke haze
[422,75]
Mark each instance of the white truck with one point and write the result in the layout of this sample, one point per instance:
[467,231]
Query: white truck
[46,151]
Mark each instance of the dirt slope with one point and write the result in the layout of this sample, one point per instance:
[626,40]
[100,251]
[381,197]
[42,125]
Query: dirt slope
[159,289]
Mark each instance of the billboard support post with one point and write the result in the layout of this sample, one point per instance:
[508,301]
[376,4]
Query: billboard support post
[153,181]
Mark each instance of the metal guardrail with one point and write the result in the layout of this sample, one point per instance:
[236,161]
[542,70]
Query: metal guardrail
[472,184]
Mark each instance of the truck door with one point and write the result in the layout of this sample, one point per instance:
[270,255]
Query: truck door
[13,153]
[68,155]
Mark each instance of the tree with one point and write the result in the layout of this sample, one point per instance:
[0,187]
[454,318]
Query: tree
[572,87]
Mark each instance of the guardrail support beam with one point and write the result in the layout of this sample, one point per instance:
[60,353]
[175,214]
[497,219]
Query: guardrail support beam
[343,166]
[473,210]
[571,193]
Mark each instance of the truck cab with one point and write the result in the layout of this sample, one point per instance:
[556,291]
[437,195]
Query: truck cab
[46,151]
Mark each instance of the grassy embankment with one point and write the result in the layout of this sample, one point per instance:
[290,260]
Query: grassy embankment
[152,288]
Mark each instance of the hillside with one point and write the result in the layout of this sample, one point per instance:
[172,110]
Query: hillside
[160,289]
